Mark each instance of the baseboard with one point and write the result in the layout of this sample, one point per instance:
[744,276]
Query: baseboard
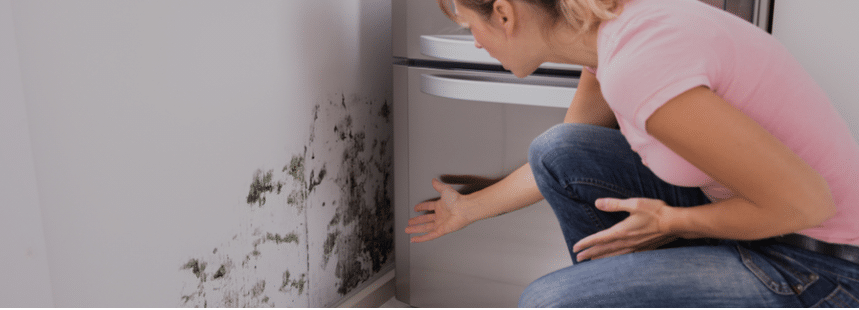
[374,294]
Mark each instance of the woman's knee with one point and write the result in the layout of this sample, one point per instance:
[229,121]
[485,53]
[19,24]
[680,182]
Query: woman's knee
[556,290]
[581,143]
[568,135]
[539,294]
[553,138]
[547,140]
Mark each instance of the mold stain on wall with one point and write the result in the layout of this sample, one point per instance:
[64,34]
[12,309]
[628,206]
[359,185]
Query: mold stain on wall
[262,265]
[315,229]
[356,241]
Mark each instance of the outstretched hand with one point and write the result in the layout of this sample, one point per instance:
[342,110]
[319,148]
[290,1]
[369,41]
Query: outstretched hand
[470,183]
[641,231]
[444,215]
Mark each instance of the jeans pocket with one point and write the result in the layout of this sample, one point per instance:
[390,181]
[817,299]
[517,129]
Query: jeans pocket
[781,274]
[840,298]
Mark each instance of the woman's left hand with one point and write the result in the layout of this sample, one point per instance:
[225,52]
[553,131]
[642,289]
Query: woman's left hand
[641,231]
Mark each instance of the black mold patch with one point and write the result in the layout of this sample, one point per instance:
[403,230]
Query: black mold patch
[220,273]
[334,221]
[262,248]
[261,185]
[197,268]
[258,288]
[296,168]
[385,112]
[360,233]
[289,283]
[328,247]
[348,151]
[290,238]
[351,273]
[315,179]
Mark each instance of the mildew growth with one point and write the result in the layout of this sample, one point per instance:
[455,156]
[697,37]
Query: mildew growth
[316,179]
[220,273]
[289,283]
[290,238]
[197,268]
[261,185]
[348,153]
[297,197]
[360,234]
[295,168]
[328,246]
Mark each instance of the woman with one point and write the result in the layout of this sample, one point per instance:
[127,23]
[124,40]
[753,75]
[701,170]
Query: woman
[731,182]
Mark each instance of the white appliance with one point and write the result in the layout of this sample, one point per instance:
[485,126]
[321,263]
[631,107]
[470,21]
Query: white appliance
[824,38]
[456,111]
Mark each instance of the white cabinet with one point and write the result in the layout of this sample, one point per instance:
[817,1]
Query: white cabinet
[489,263]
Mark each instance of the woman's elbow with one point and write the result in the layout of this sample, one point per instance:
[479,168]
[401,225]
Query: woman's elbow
[819,206]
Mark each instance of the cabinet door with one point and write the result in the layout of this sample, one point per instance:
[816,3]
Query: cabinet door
[489,263]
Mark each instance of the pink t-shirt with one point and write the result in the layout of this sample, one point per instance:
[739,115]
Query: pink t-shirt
[658,49]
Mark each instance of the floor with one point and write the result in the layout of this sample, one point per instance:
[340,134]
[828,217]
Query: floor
[394,303]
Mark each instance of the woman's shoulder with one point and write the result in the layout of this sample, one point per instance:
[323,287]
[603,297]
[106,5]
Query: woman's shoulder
[691,16]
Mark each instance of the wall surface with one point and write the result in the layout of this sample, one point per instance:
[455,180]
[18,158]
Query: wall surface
[205,152]
[22,238]
[824,37]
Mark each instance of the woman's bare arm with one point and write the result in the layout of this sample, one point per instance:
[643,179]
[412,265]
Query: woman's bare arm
[776,192]
[517,190]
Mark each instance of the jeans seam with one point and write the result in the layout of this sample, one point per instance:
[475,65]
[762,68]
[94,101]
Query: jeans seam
[806,280]
[595,183]
[601,184]
[774,286]
[848,294]
[835,298]
[833,274]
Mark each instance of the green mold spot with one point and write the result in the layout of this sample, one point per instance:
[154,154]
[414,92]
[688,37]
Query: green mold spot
[258,288]
[328,246]
[296,168]
[315,180]
[260,185]
[220,273]
[197,268]
[385,112]
[297,199]
[336,220]
[290,238]
[295,284]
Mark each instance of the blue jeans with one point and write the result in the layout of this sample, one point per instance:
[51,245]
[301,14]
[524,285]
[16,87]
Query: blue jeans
[575,164]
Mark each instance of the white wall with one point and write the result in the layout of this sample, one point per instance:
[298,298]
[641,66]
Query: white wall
[824,37]
[25,266]
[147,121]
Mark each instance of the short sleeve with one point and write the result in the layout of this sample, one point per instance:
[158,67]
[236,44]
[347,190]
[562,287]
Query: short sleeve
[644,63]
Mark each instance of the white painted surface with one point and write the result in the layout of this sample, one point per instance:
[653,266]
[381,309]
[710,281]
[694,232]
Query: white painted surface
[824,37]
[147,120]
[25,281]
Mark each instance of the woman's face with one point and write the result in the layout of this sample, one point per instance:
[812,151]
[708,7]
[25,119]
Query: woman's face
[492,36]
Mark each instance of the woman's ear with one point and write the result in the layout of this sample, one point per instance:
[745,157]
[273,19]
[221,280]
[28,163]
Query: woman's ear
[504,15]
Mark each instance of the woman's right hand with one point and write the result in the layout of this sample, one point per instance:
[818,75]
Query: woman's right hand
[442,216]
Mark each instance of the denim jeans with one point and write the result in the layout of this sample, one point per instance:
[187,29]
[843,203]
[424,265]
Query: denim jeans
[575,164]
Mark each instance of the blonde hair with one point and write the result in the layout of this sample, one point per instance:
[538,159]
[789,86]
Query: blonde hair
[581,15]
